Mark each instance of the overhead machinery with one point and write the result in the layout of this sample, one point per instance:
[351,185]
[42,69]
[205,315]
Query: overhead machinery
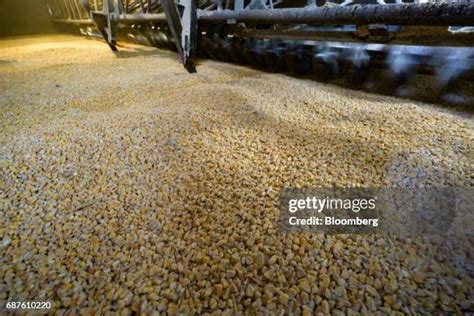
[321,38]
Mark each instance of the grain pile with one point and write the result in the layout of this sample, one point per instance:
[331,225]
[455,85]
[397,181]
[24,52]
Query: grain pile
[129,185]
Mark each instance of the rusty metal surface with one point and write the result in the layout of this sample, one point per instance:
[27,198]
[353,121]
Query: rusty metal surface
[403,14]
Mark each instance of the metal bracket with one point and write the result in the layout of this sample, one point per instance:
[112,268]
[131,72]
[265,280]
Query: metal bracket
[106,27]
[104,21]
[182,21]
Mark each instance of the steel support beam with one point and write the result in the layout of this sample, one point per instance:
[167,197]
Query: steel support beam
[174,23]
[411,36]
[189,33]
[439,14]
[71,21]
[183,28]
[140,18]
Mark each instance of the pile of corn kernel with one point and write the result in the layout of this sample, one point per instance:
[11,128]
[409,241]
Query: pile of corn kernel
[128,185]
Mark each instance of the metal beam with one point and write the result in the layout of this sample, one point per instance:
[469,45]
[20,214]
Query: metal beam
[174,23]
[183,28]
[413,36]
[437,14]
[440,14]
[189,33]
[78,22]
[139,18]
